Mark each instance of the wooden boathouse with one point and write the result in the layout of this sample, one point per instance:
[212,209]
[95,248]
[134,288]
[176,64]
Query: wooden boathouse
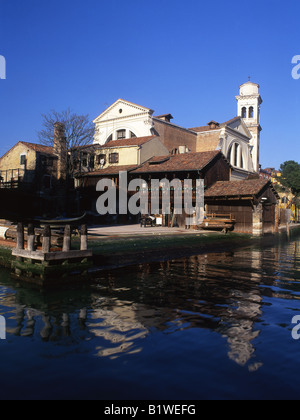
[252,204]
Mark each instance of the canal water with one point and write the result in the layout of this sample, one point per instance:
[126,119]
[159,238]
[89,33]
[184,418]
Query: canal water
[215,326]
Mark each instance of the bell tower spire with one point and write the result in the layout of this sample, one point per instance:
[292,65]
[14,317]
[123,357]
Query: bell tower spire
[248,103]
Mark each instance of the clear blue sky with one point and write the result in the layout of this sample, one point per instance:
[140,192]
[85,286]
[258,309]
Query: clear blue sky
[186,58]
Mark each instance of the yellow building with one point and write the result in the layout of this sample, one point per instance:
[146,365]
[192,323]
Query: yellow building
[27,164]
[287,201]
[116,154]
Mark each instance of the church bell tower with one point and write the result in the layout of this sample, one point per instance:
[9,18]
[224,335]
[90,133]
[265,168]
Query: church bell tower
[248,102]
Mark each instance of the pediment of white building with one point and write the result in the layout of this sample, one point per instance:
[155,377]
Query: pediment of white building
[239,125]
[122,109]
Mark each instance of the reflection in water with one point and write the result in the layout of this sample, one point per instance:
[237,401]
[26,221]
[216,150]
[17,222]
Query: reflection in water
[224,293]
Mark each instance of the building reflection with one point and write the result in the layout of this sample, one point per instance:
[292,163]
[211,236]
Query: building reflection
[221,292]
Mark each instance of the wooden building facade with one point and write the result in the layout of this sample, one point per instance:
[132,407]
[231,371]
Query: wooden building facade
[253,204]
[207,166]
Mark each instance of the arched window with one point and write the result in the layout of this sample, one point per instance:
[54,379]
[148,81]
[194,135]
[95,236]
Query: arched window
[251,112]
[121,134]
[244,112]
[235,155]
[242,160]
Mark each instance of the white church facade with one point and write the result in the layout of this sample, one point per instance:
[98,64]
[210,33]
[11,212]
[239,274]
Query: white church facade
[123,120]
[232,138]
[238,139]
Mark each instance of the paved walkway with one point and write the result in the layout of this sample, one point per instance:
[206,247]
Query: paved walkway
[137,230]
[133,230]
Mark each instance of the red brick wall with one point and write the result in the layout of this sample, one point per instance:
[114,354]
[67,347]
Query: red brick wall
[173,137]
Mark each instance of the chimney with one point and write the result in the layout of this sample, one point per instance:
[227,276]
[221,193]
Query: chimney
[165,117]
[60,150]
[213,124]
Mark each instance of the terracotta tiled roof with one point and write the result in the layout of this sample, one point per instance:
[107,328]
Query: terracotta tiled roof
[110,170]
[251,187]
[84,147]
[39,148]
[134,141]
[181,162]
[207,128]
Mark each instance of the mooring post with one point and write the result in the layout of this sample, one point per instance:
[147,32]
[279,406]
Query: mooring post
[30,237]
[83,238]
[67,239]
[46,239]
[20,236]
[20,246]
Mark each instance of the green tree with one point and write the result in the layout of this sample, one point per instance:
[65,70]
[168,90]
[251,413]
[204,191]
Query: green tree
[290,176]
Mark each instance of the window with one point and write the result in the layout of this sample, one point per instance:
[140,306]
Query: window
[132,134]
[235,155]
[92,162]
[84,160]
[114,158]
[251,112]
[121,134]
[109,138]
[244,112]
[47,161]
[22,159]
[101,159]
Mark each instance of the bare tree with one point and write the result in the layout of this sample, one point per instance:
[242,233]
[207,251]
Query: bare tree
[79,132]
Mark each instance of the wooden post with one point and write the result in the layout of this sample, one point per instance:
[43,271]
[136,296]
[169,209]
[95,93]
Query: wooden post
[46,239]
[30,237]
[83,238]
[20,245]
[67,239]
[20,236]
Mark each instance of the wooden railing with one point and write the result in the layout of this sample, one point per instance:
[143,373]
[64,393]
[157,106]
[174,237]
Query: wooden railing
[11,178]
[220,216]
[10,184]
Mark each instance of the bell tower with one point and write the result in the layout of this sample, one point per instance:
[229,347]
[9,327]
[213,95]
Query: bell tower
[248,102]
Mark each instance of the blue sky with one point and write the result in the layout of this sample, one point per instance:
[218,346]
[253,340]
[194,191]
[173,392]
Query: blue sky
[186,58]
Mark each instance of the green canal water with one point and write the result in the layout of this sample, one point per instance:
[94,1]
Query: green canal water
[214,326]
